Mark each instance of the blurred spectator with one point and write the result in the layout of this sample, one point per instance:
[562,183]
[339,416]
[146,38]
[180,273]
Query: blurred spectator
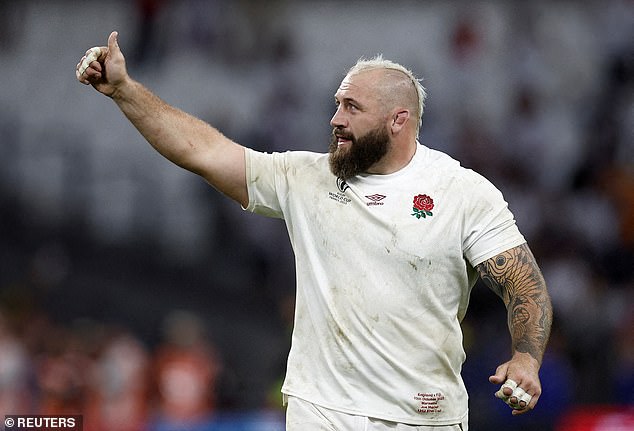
[119,390]
[619,186]
[14,371]
[623,374]
[150,44]
[596,418]
[62,371]
[186,369]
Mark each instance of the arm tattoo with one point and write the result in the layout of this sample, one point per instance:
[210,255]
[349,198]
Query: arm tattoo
[515,277]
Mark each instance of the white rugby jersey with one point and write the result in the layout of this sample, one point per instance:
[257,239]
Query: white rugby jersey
[384,271]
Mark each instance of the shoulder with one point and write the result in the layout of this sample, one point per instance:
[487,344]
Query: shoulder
[304,158]
[289,167]
[290,158]
[444,165]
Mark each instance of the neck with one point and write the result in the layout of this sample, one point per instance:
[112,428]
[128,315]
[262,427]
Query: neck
[398,156]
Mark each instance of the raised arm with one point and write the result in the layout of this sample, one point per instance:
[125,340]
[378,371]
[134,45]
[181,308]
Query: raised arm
[516,278]
[178,136]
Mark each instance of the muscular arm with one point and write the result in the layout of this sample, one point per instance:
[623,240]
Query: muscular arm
[185,140]
[516,278]
[180,137]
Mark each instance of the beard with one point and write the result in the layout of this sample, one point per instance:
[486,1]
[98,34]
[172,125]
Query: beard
[360,155]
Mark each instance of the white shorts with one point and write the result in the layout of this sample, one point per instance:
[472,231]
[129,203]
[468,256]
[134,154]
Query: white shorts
[302,415]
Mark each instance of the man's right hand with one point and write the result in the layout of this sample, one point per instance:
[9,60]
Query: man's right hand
[105,73]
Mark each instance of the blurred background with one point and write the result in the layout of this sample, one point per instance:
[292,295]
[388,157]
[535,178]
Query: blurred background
[132,293]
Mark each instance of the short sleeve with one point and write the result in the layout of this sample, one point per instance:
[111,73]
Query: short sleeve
[489,227]
[263,182]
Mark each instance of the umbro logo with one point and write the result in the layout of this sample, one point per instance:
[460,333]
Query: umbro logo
[375,199]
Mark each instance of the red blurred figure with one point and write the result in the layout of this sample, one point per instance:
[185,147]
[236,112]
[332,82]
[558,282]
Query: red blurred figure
[119,394]
[186,369]
[597,418]
[62,372]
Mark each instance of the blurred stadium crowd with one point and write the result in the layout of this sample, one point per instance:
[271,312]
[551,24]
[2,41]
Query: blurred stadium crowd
[133,294]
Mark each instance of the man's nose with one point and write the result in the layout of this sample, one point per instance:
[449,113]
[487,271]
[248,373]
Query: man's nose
[338,119]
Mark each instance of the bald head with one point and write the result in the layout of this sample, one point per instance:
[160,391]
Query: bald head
[395,86]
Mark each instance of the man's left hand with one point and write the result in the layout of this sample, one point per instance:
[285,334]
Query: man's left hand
[519,378]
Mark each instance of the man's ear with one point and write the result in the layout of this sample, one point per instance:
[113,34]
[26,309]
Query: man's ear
[399,120]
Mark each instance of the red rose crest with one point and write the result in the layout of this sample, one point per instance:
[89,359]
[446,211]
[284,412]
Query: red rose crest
[423,205]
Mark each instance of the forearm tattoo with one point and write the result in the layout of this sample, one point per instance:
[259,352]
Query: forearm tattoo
[516,278]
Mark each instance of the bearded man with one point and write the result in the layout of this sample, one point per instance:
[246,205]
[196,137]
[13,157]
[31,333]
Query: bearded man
[389,238]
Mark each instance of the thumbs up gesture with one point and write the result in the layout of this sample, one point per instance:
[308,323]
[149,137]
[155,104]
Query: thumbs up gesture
[103,67]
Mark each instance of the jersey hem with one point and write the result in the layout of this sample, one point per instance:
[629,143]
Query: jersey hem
[401,420]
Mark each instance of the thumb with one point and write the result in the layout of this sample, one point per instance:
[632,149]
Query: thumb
[500,375]
[113,43]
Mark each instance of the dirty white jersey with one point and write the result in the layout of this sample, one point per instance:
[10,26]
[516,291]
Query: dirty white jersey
[384,269]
